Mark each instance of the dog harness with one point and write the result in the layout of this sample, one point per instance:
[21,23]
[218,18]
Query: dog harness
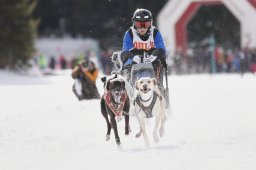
[116,108]
[148,109]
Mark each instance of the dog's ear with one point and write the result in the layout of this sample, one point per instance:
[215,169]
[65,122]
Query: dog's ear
[136,85]
[107,86]
[154,81]
[103,79]
[115,75]
[123,84]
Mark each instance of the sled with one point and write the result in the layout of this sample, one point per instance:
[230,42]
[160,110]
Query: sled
[142,67]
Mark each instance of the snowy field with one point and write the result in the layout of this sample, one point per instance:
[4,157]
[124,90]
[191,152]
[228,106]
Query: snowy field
[44,127]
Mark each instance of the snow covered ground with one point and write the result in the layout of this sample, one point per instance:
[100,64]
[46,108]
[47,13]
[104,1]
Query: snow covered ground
[44,127]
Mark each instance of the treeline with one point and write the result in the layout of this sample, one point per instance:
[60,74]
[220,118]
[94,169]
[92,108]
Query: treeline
[105,20]
[18,30]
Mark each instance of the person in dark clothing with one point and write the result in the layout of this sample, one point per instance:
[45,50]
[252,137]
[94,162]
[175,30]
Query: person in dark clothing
[52,63]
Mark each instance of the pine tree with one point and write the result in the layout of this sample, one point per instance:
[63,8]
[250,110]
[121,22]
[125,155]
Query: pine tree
[18,30]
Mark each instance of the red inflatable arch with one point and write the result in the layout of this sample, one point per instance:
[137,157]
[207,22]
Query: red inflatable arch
[175,16]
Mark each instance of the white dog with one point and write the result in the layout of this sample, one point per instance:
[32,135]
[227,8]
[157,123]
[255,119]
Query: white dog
[148,103]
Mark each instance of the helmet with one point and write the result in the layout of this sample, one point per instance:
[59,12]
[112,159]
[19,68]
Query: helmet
[142,18]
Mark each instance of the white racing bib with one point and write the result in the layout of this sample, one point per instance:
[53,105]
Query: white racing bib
[139,43]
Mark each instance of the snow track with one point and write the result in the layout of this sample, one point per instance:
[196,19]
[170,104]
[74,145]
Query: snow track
[43,126]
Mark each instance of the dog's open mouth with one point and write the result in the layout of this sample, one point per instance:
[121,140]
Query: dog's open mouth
[145,90]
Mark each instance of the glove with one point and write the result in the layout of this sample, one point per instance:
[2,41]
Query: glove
[151,50]
[136,51]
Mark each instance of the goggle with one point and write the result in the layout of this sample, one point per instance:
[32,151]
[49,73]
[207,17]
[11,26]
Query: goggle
[141,24]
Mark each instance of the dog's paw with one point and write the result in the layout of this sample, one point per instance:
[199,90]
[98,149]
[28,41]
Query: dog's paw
[127,132]
[161,132]
[119,146]
[107,137]
[156,138]
[138,135]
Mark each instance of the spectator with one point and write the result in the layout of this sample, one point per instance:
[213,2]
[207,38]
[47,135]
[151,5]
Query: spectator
[85,75]
[42,62]
[52,63]
[63,62]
